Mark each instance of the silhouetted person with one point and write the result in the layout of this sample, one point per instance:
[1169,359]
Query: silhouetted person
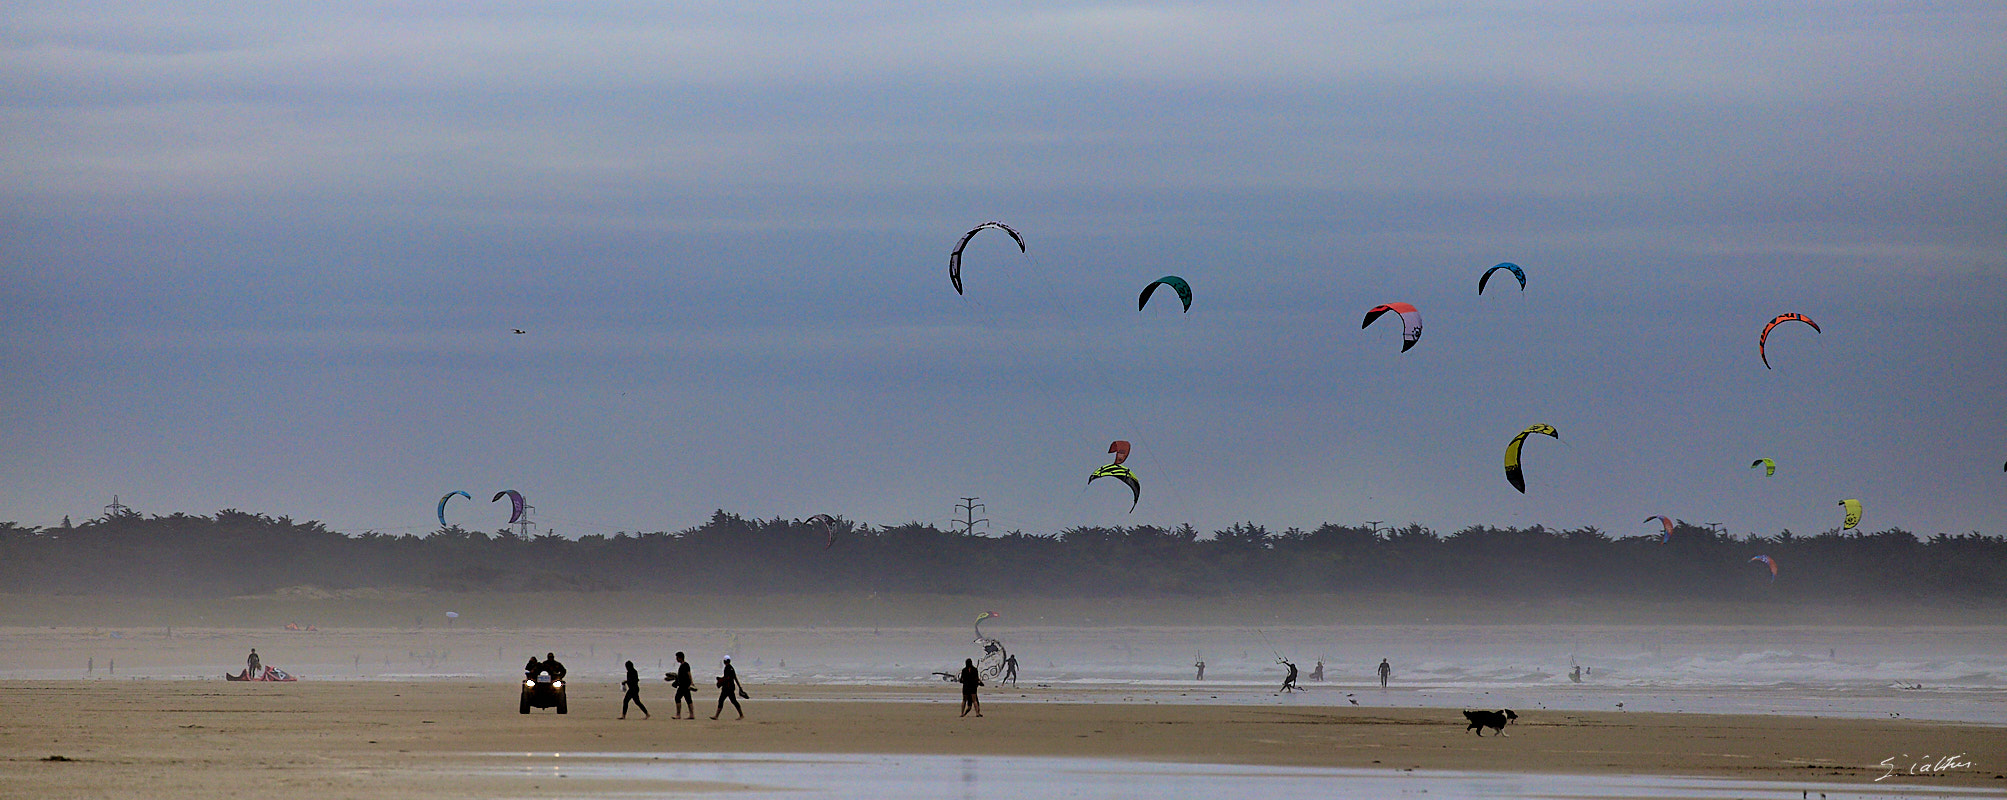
[970,680]
[1385,673]
[252,664]
[1010,670]
[729,689]
[531,669]
[1317,673]
[633,684]
[553,666]
[1576,674]
[1289,681]
[680,680]
[1202,669]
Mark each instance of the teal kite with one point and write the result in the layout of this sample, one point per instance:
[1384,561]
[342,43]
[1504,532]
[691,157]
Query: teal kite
[442,505]
[1176,283]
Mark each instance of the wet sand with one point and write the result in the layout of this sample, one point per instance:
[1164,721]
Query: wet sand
[454,738]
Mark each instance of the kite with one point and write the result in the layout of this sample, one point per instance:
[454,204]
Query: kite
[442,505]
[1184,291]
[1121,473]
[1773,565]
[1120,447]
[1411,322]
[1853,513]
[828,524]
[1516,272]
[955,258]
[1769,467]
[1512,474]
[515,504]
[1667,537]
[1764,339]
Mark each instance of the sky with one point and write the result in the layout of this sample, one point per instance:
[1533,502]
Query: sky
[270,258]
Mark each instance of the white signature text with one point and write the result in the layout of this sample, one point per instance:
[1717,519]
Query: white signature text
[1926,766]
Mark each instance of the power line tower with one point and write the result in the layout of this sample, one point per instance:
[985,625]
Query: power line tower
[116,509]
[968,521]
[524,525]
[1375,525]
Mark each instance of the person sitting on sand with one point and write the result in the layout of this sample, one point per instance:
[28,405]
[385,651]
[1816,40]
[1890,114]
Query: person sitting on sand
[970,680]
[633,684]
[680,680]
[553,666]
[1289,681]
[729,689]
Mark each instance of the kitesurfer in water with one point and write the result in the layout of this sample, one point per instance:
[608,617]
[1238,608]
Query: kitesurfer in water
[633,685]
[729,689]
[1201,664]
[970,680]
[1317,672]
[680,680]
[1289,681]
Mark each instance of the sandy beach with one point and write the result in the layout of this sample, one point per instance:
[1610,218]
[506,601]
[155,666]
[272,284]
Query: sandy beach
[446,738]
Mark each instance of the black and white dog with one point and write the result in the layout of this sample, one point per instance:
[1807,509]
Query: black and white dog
[1495,720]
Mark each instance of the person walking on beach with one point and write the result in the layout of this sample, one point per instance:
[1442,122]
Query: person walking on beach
[1385,673]
[1010,670]
[1289,681]
[970,680]
[729,689]
[633,684]
[680,680]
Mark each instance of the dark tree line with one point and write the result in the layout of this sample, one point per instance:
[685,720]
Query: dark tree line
[235,553]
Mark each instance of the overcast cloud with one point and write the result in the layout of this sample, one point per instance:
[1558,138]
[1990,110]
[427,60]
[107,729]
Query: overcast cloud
[269,259]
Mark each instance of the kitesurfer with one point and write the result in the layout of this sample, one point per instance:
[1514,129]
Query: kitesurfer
[729,689]
[1010,670]
[1289,681]
[252,663]
[970,680]
[1201,664]
[1385,673]
[680,680]
[1317,672]
[633,684]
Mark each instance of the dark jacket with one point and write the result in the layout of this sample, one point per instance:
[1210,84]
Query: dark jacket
[970,680]
[555,668]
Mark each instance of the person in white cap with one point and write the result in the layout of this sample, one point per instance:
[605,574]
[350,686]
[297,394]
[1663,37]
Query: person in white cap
[729,689]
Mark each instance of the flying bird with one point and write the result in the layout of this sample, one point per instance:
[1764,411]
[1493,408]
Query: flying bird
[517,330]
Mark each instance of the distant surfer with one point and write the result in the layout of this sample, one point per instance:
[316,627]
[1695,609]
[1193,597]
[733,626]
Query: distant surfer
[970,680]
[1317,672]
[1010,670]
[680,680]
[633,685]
[1386,671]
[1289,681]
[729,689]
[1201,664]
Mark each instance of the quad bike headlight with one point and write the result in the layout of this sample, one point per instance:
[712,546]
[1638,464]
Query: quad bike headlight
[529,684]
[557,684]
